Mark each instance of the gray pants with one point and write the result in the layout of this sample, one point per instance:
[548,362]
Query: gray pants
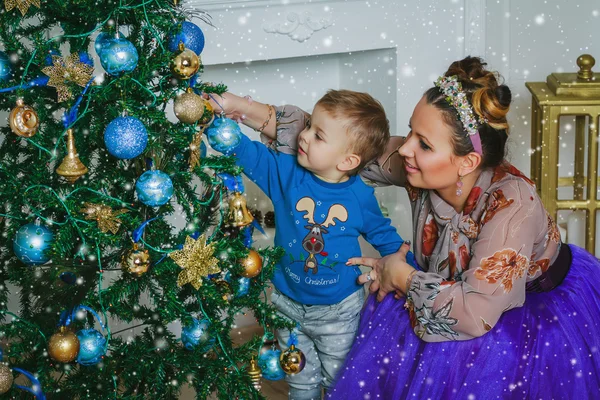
[325,336]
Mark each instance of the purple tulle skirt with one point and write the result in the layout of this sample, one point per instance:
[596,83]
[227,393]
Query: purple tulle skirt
[547,349]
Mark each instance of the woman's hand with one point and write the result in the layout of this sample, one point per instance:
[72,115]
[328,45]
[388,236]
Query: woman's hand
[389,274]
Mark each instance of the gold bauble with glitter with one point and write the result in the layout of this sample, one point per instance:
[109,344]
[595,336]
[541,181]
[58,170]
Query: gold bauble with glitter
[189,107]
[292,360]
[252,264]
[185,63]
[71,168]
[23,120]
[136,261]
[6,378]
[63,346]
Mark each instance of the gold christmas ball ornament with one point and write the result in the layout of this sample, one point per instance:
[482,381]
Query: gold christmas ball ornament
[185,63]
[252,264]
[63,346]
[23,120]
[136,261]
[189,107]
[292,360]
[6,378]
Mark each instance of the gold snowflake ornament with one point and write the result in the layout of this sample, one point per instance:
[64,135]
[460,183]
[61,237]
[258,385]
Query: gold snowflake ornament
[22,5]
[104,215]
[67,69]
[196,259]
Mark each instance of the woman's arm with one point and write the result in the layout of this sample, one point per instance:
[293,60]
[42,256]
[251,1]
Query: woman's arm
[247,111]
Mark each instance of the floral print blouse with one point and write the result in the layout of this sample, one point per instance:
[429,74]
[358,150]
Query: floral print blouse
[476,263]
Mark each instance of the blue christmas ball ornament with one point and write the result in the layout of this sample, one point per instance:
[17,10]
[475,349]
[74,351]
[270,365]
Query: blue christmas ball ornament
[31,243]
[268,361]
[154,188]
[5,67]
[101,41]
[223,135]
[191,35]
[197,334]
[125,137]
[92,346]
[117,55]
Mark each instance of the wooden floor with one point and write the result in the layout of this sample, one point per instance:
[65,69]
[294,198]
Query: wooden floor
[271,390]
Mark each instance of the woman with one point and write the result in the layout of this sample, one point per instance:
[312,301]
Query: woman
[501,308]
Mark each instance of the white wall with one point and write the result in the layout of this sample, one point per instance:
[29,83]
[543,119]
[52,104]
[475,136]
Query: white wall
[523,40]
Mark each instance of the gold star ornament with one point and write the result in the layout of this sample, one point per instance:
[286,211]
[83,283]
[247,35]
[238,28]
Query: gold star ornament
[196,259]
[104,215]
[22,5]
[67,69]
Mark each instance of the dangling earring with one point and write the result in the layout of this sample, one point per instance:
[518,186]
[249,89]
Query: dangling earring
[459,185]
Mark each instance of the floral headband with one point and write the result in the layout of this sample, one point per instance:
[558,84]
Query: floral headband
[452,89]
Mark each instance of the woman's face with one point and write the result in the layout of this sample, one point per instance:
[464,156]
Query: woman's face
[429,160]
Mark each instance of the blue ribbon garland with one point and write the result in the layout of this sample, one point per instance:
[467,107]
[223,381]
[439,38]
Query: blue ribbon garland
[36,386]
[138,232]
[293,339]
[70,117]
[39,81]
[231,182]
[67,317]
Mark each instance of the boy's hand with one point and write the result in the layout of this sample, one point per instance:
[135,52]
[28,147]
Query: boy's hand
[231,105]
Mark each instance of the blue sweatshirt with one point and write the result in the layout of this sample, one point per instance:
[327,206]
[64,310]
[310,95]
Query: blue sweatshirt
[318,224]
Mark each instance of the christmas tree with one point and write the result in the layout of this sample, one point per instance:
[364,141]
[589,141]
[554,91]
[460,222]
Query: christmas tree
[112,214]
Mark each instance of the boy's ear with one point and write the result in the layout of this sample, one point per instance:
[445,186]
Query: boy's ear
[350,162]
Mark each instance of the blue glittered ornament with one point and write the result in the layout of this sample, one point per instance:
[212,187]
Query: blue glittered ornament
[125,137]
[5,67]
[191,35]
[268,362]
[31,243]
[154,188]
[197,335]
[117,55]
[92,346]
[223,135]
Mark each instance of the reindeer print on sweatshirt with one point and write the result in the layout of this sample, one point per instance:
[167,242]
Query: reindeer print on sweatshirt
[318,224]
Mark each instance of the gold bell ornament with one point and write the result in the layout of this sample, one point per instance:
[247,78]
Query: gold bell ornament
[6,378]
[63,346]
[185,63]
[252,264]
[189,107]
[239,216]
[255,374]
[71,168]
[136,261]
[23,120]
[292,360]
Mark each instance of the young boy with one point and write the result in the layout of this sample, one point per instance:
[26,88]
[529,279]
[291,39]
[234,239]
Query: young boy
[321,208]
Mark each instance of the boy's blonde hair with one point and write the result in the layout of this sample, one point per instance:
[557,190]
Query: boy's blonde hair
[367,125]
